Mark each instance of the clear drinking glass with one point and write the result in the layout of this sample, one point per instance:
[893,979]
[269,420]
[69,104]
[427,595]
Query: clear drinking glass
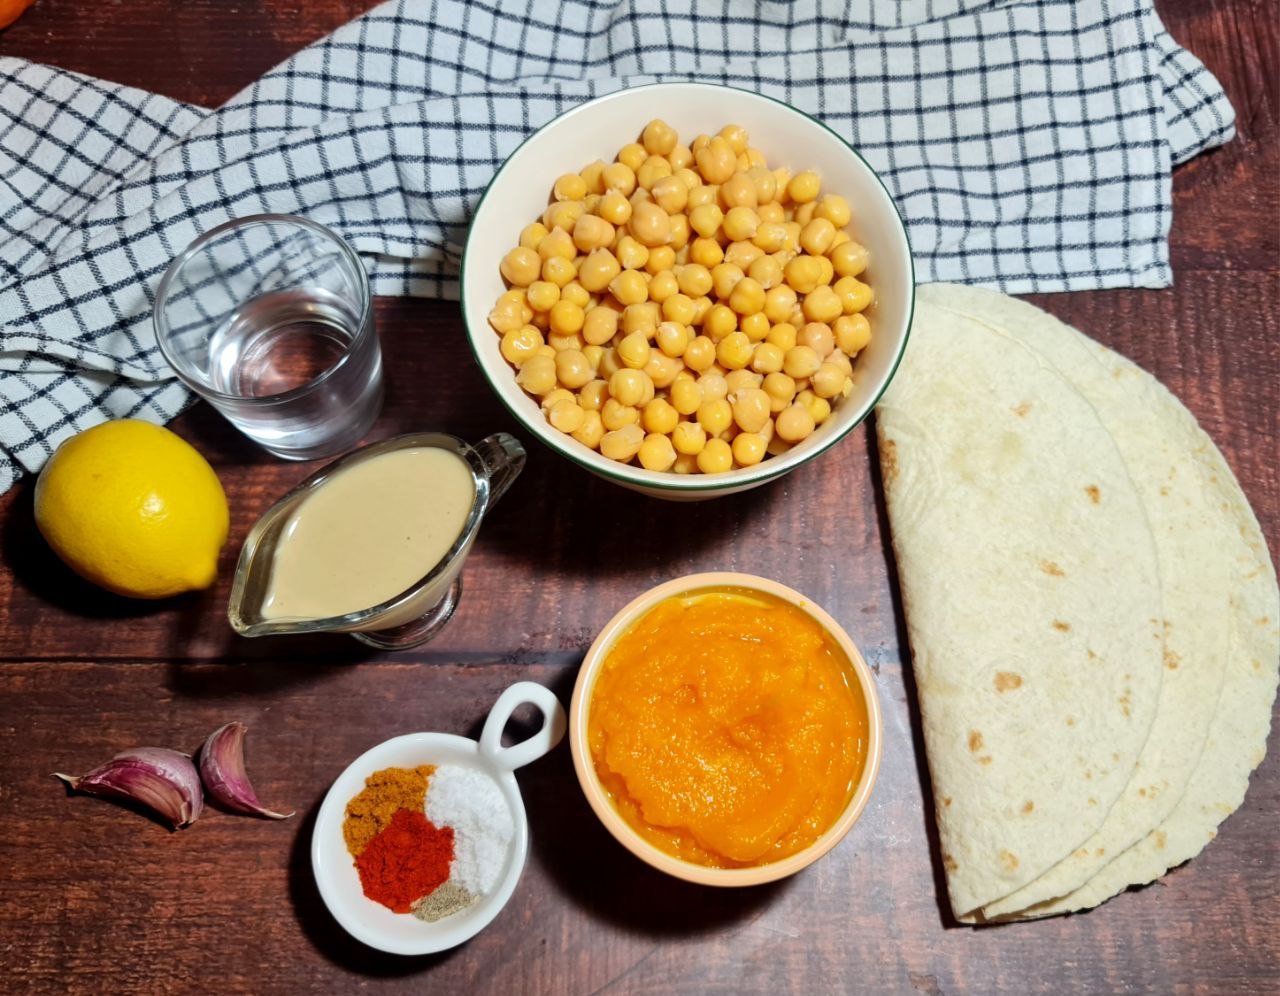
[270,320]
[415,615]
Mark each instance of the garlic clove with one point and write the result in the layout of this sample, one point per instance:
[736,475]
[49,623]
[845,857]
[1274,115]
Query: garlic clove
[163,780]
[223,774]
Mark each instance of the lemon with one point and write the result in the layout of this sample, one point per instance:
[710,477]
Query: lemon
[133,508]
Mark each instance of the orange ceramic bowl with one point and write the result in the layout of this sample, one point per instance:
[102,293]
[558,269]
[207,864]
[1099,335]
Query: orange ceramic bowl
[579,713]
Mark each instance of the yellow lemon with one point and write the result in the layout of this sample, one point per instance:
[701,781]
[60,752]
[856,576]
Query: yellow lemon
[133,508]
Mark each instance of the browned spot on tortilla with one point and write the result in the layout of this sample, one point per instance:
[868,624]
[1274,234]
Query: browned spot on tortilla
[975,741]
[1212,834]
[946,800]
[1093,802]
[1115,758]
[1126,701]
[1007,680]
[1028,806]
[1257,665]
[1160,838]
[985,759]
[1100,851]
[1052,569]
[1008,861]
[1263,621]
[948,862]
[1082,853]
[1071,721]
[1088,776]
[1094,494]
[1062,627]
[889,460]
[1164,490]
[1022,409]
[1092,655]
[1171,659]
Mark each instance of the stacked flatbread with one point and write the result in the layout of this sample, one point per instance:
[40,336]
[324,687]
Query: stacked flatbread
[1090,602]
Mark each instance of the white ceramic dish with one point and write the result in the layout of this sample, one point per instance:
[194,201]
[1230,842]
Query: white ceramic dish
[335,871]
[596,130]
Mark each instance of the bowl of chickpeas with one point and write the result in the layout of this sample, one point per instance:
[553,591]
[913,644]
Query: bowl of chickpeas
[688,305]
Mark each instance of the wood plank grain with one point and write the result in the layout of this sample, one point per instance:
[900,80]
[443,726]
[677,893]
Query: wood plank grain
[587,915]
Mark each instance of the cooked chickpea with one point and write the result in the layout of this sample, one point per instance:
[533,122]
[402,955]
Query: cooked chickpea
[804,213]
[633,154]
[614,414]
[740,380]
[734,351]
[614,207]
[724,278]
[800,362]
[506,317]
[679,308]
[570,187]
[854,295]
[593,394]
[685,396]
[803,273]
[834,209]
[673,338]
[816,236]
[622,444]
[755,326]
[689,438]
[532,234]
[783,335]
[779,302]
[740,223]
[852,333]
[703,193]
[609,363]
[747,297]
[572,368]
[575,292]
[828,380]
[751,409]
[804,187]
[662,369]
[542,294]
[592,428]
[643,317]
[767,272]
[629,287]
[599,325]
[822,304]
[520,266]
[715,415]
[705,219]
[671,194]
[736,136]
[715,457]
[849,259]
[780,388]
[658,137]
[818,337]
[558,270]
[706,253]
[770,236]
[818,408]
[634,350]
[566,318]
[649,224]
[537,374]
[520,344]
[738,191]
[559,343]
[563,214]
[656,452]
[566,416]
[620,177]
[659,416]
[719,322]
[713,385]
[694,279]
[767,358]
[652,170]
[591,232]
[631,254]
[716,160]
[794,423]
[681,158]
[748,449]
[626,386]
[663,285]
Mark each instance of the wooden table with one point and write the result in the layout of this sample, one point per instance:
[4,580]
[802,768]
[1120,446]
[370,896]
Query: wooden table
[93,897]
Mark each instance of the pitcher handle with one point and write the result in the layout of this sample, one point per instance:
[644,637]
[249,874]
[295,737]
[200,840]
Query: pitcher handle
[503,458]
[550,733]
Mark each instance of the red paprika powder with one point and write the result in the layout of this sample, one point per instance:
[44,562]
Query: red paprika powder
[406,861]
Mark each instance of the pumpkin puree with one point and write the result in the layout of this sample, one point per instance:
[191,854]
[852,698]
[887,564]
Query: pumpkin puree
[728,728]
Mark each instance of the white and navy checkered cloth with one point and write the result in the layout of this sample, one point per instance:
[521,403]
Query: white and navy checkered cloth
[1028,143]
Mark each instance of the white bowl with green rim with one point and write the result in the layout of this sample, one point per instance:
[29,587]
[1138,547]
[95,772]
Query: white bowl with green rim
[597,129]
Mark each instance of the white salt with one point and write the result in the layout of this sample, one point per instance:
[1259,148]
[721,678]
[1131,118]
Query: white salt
[472,804]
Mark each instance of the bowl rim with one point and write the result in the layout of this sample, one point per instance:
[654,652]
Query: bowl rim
[762,472]
[629,838]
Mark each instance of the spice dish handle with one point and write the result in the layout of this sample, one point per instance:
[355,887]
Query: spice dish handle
[549,734]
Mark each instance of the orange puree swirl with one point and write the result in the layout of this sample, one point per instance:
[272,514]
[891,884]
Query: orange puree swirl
[728,728]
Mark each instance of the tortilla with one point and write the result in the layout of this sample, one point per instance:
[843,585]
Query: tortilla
[1219,612]
[1030,583]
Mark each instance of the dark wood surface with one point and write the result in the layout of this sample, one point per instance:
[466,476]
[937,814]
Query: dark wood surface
[94,897]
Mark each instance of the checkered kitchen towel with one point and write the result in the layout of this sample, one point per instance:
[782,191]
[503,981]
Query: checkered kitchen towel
[1028,143]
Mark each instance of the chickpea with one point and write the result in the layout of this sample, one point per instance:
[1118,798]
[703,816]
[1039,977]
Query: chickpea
[673,338]
[770,237]
[520,266]
[591,430]
[713,385]
[748,449]
[671,194]
[738,191]
[660,258]
[689,438]
[734,351]
[783,335]
[818,337]
[663,285]
[631,254]
[779,302]
[593,394]
[652,170]
[694,279]
[719,322]
[751,409]
[575,292]
[620,177]
[614,414]
[686,396]
[632,154]
[702,308]
[800,362]
[570,187]
[854,295]
[649,224]
[736,136]
[563,214]
[742,254]
[593,176]
[662,369]
[767,358]
[703,193]
[747,296]
[679,308]
[506,316]
[705,219]
[740,223]
[627,386]
[643,317]
[706,252]
[537,374]
[560,342]
[828,380]
[622,444]
[566,416]
[566,318]
[629,287]
[598,270]
[558,270]
[794,423]
[816,236]
[803,274]
[834,209]
[724,278]
[804,214]
[614,207]
[681,158]
[656,452]
[609,363]
[532,234]
[849,259]
[519,344]
[822,304]
[599,325]
[819,409]
[716,160]
[852,333]
[741,380]
[634,350]
[781,390]
[659,416]
[715,457]
[592,232]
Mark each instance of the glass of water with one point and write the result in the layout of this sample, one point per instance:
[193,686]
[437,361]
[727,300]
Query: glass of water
[270,320]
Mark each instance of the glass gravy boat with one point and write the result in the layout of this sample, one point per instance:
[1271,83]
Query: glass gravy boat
[415,615]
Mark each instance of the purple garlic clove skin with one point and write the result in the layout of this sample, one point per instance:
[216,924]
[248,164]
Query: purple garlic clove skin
[163,780]
[223,774]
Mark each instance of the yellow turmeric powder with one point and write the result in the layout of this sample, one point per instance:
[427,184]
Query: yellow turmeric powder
[384,793]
